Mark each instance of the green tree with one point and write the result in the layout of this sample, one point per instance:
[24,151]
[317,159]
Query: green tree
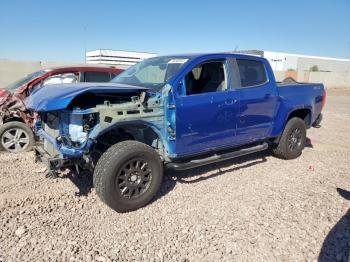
[314,68]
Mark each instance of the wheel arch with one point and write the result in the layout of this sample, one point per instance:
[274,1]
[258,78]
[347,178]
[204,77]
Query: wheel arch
[303,113]
[13,119]
[140,131]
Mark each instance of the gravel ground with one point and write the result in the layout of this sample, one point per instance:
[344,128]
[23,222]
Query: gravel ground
[256,208]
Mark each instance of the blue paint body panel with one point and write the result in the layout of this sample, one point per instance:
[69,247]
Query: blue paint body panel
[58,97]
[294,97]
[203,122]
[207,122]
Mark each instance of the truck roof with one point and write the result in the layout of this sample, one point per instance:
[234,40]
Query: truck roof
[232,54]
[84,68]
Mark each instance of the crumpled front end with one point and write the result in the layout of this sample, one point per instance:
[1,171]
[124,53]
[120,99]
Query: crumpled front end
[11,106]
[64,137]
[75,136]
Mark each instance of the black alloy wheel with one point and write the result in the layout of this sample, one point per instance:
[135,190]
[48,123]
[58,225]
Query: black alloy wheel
[134,178]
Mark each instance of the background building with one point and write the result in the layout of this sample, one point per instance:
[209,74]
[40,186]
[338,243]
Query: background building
[121,59]
[285,61]
[332,72]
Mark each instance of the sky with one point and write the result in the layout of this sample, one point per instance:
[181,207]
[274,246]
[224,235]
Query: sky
[62,30]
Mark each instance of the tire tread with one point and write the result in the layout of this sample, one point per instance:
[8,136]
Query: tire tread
[280,150]
[107,161]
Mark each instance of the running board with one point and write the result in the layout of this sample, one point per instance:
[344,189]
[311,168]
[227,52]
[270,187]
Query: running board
[217,157]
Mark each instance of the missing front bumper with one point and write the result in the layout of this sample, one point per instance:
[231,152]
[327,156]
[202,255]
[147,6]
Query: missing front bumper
[53,163]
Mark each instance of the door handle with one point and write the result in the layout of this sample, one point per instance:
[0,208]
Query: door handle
[230,101]
[267,96]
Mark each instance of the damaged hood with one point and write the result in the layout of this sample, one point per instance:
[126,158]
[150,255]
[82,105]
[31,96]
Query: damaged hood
[4,97]
[4,94]
[58,97]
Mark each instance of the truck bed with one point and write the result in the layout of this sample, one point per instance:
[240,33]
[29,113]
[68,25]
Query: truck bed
[284,84]
[303,95]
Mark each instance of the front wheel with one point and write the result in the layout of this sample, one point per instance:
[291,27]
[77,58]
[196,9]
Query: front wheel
[128,175]
[16,137]
[292,140]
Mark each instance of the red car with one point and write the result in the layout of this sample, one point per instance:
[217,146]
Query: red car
[15,133]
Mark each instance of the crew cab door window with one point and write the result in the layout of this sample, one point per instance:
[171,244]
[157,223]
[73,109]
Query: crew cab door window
[252,72]
[206,77]
[97,77]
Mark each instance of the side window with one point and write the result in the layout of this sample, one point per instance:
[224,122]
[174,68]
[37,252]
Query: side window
[206,77]
[66,78]
[97,76]
[251,72]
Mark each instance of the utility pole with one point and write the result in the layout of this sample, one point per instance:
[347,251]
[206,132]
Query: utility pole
[85,42]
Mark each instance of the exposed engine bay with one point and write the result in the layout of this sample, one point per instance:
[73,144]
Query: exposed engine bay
[94,122]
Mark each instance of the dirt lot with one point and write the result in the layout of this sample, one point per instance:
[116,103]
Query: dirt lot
[256,208]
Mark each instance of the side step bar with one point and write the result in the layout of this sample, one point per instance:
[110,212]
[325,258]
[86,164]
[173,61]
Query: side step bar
[217,157]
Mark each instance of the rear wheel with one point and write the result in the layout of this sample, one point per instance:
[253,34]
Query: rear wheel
[292,141]
[16,137]
[128,175]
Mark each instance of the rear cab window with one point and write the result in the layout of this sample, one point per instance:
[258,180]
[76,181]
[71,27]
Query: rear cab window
[251,72]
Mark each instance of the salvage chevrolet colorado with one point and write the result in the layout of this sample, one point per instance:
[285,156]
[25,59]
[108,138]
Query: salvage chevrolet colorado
[177,112]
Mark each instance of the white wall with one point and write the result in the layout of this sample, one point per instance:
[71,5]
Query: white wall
[279,75]
[276,60]
[331,79]
[284,61]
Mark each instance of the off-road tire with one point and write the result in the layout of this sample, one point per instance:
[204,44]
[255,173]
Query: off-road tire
[113,161]
[282,149]
[20,126]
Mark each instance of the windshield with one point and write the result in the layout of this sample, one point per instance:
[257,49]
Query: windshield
[15,85]
[151,73]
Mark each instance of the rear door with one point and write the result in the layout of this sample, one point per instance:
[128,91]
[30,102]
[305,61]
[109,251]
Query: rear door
[258,101]
[206,112]
[93,76]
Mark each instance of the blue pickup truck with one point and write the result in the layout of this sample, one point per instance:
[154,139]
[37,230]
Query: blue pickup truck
[177,112]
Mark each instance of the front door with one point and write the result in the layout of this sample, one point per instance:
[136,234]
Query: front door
[206,112]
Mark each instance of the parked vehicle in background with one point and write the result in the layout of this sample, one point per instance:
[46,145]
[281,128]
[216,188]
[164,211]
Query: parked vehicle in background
[176,111]
[15,121]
